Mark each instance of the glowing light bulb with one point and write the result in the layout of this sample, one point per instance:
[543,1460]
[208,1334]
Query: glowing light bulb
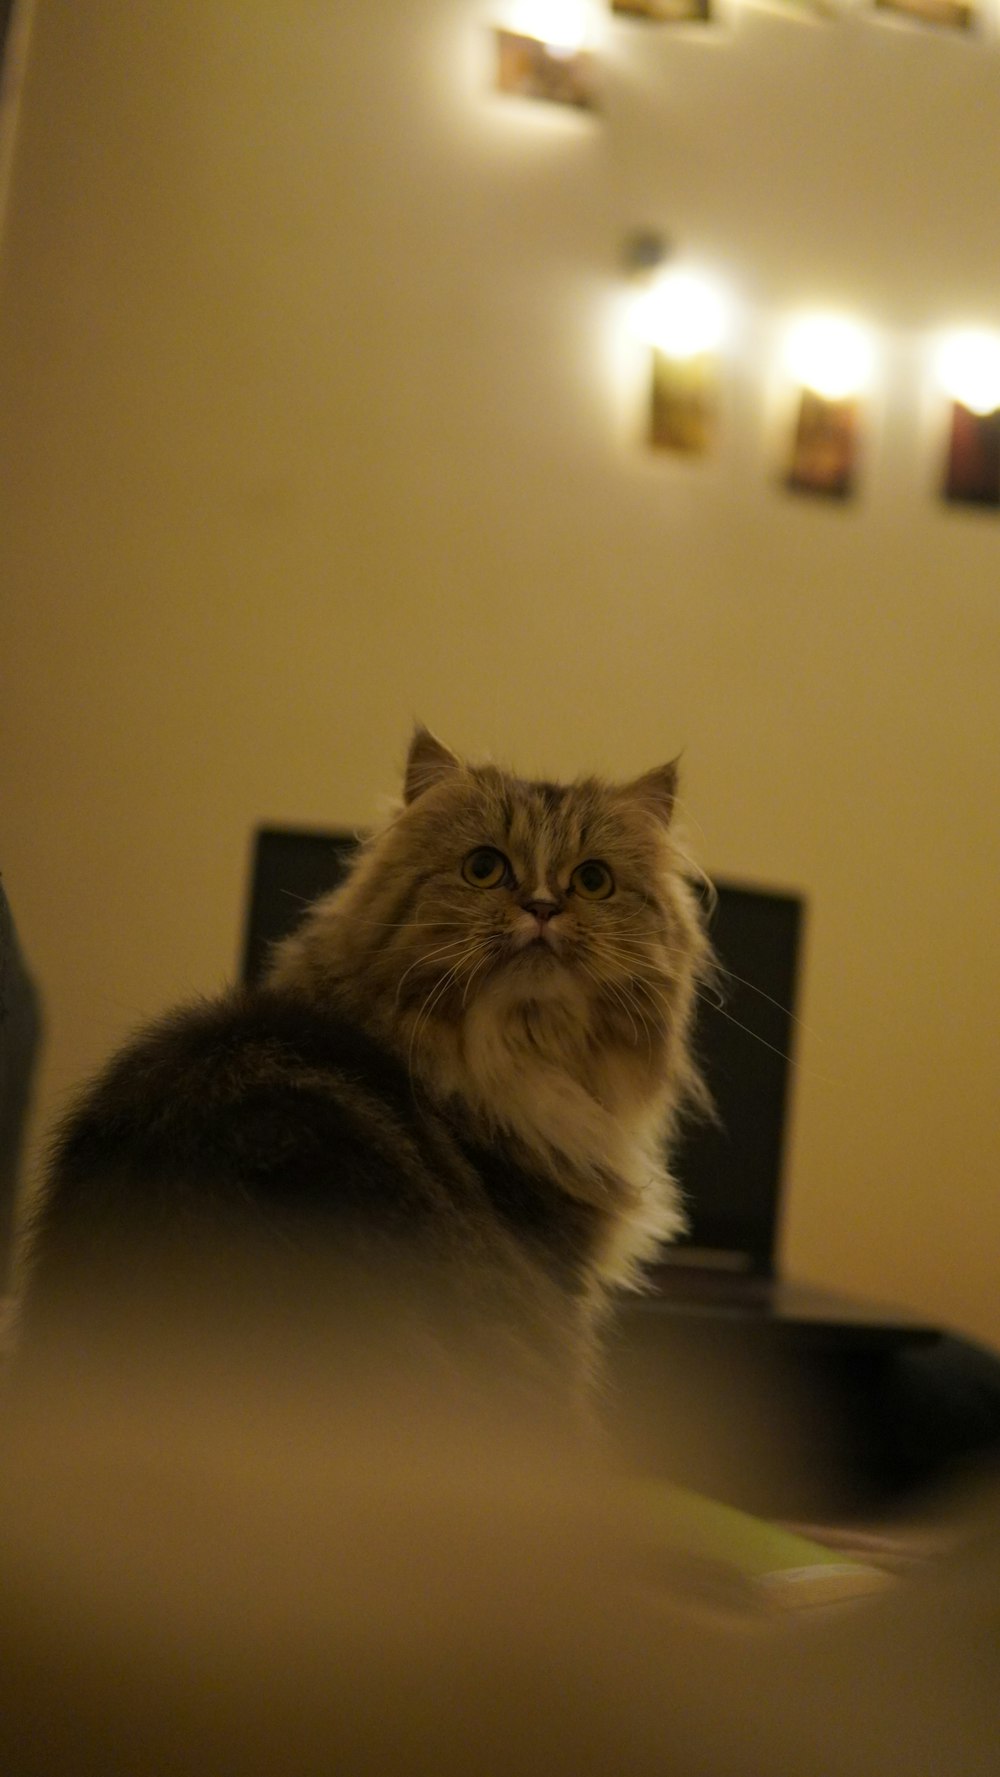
[560,24]
[968,365]
[682,315]
[831,356]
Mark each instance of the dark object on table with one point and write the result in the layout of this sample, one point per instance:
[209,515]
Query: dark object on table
[20,1035]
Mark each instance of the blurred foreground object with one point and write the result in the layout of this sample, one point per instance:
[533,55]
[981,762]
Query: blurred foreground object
[290,1554]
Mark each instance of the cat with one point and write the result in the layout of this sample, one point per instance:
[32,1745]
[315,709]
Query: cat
[466,1063]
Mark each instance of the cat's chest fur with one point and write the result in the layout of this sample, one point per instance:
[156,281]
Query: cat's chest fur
[528,1069]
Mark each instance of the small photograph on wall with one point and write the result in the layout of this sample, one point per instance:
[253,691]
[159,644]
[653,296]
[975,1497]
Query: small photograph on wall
[807,10]
[972,471]
[665,12]
[825,447]
[682,412]
[952,15]
[531,69]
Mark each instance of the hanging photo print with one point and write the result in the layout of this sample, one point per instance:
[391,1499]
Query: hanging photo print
[824,447]
[972,470]
[532,69]
[953,15]
[682,413]
[665,12]
[968,372]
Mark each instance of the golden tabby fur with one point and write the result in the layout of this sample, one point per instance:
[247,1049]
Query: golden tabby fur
[570,1038]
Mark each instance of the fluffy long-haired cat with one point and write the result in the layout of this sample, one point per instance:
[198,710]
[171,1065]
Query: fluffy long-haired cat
[466,1063]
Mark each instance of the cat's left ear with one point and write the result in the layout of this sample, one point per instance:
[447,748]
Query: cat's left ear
[427,762]
[656,790]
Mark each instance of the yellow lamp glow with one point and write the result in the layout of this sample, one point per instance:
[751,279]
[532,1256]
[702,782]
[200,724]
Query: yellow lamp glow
[682,315]
[831,356]
[560,24]
[968,367]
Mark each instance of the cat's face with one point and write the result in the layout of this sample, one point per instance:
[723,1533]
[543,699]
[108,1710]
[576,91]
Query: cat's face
[523,891]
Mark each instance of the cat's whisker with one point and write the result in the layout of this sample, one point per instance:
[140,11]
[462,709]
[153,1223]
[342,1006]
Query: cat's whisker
[790,1059]
[741,1026]
[437,992]
[631,988]
[649,946]
[605,986]
[487,949]
[617,994]
[639,964]
[730,975]
[653,949]
[727,974]
[658,1000]
[440,987]
[428,956]
[631,1004]
[632,959]
[656,1009]
[412,925]
[424,1013]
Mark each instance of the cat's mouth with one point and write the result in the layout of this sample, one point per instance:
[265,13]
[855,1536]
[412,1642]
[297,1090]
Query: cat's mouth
[537,943]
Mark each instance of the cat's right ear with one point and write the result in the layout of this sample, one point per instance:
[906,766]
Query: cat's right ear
[657,791]
[427,762]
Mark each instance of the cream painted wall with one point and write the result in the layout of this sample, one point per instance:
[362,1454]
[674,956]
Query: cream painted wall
[315,414]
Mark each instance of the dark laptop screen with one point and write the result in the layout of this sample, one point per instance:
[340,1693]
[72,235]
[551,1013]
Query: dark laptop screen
[730,1170]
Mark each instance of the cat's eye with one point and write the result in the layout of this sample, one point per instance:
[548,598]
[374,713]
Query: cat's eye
[486,867]
[593,880]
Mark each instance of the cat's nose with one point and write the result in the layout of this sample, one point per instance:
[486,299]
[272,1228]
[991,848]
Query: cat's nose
[542,910]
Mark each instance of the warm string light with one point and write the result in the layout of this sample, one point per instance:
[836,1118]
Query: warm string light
[681,313]
[544,46]
[831,356]
[564,22]
[683,317]
[561,25]
[829,366]
[968,368]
